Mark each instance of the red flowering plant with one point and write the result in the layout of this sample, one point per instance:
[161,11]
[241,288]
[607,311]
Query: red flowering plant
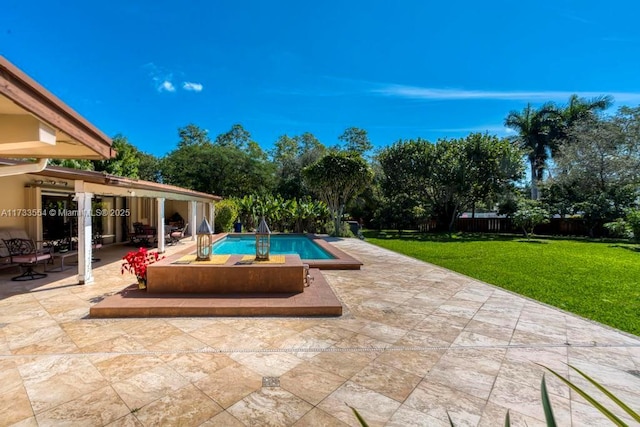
[136,262]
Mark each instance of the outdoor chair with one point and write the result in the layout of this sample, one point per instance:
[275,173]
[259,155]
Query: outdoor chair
[175,236]
[25,253]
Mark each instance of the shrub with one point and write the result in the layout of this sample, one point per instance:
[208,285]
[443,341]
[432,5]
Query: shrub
[618,228]
[529,214]
[633,221]
[226,214]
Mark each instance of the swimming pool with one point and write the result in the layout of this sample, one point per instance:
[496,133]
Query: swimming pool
[280,245]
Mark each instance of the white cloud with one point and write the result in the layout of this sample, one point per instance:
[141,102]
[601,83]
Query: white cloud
[166,86]
[192,87]
[425,93]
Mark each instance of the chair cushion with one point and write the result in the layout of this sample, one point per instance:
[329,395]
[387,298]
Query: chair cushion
[30,258]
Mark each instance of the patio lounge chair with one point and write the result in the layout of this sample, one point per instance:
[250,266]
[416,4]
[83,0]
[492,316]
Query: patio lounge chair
[175,236]
[25,253]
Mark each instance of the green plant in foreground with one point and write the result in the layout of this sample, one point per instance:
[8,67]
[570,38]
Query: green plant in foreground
[546,402]
[599,406]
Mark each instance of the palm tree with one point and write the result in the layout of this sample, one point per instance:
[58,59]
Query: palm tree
[577,109]
[534,128]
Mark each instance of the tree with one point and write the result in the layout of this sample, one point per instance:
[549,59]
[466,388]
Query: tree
[577,109]
[356,140]
[149,167]
[533,128]
[192,135]
[290,155]
[126,161]
[336,178]
[597,169]
[530,213]
[222,169]
[81,164]
[237,137]
[450,176]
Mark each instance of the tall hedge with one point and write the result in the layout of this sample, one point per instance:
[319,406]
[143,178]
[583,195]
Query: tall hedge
[226,215]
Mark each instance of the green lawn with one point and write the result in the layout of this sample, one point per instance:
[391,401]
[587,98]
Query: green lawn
[597,280]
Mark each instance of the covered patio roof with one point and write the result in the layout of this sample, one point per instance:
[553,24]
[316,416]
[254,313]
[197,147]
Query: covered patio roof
[36,124]
[106,184]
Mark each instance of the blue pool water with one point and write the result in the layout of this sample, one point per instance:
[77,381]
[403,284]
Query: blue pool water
[280,245]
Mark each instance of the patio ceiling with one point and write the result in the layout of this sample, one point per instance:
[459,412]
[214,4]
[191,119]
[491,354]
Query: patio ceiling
[36,124]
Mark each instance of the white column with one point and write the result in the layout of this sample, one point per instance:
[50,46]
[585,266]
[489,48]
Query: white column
[118,205]
[193,226]
[84,237]
[212,216]
[160,212]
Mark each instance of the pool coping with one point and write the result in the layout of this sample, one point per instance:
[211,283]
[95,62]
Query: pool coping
[342,260]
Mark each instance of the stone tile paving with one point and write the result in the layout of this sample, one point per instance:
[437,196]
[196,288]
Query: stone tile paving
[415,342]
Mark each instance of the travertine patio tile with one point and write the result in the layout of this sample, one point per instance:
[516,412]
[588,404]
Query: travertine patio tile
[619,381]
[268,364]
[311,382]
[230,384]
[187,406]
[85,333]
[501,333]
[343,363]
[362,342]
[530,374]
[97,408]
[120,344]
[383,332]
[615,357]
[424,339]
[120,367]
[270,407]
[182,342]
[307,340]
[196,366]
[318,418]
[53,380]
[149,385]
[16,405]
[494,415]
[485,337]
[57,343]
[376,408]
[475,339]
[436,400]
[527,401]
[126,421]
[390,381]
[156,334]
[584,414]
[409,417]
[274,335]
[413,362]
[223,419]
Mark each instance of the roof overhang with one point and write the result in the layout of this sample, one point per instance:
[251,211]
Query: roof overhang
[101,183]
[36,124]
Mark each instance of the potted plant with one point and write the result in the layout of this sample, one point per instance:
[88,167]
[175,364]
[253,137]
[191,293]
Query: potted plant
[136,262]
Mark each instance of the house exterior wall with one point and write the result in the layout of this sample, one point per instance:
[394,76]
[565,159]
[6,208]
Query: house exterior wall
[13,198]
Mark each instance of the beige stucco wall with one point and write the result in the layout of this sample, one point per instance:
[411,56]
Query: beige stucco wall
[12,196]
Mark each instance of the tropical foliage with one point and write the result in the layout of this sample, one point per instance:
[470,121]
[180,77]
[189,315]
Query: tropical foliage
[226,215]
[446,178]
[581,164]
[529,214]
[336,178]
[292,215]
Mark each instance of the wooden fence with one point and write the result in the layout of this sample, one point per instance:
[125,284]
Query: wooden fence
[556,227]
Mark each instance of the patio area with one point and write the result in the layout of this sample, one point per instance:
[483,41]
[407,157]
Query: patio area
[414,341]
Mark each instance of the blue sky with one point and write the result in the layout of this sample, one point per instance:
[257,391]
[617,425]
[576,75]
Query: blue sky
[401,69]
